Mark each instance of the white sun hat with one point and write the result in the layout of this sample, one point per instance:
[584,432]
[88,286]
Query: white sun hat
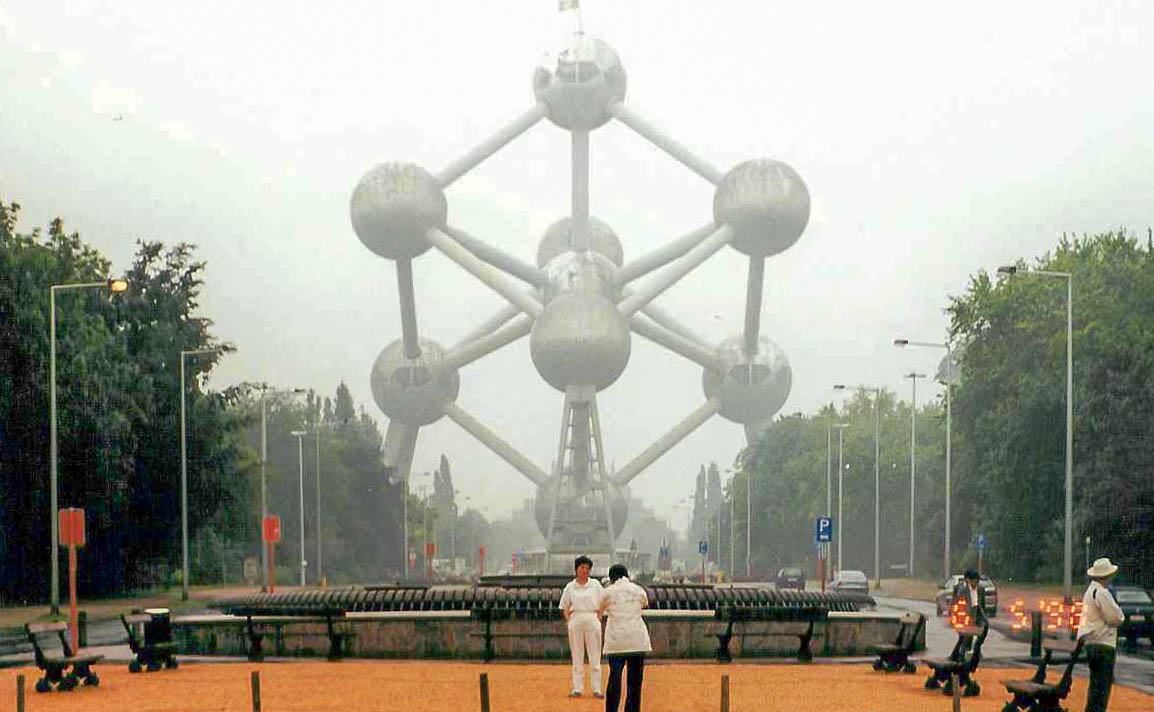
[1102,568]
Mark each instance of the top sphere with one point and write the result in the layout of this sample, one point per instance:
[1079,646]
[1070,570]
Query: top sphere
[557,240]
[767,204]
[580,84]
[392,208]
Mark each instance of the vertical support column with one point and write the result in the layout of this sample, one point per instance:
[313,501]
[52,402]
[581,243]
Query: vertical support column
[579,221]
[408,308]
[753,292]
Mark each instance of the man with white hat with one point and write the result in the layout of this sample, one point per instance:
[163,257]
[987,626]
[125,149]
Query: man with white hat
[1101,617]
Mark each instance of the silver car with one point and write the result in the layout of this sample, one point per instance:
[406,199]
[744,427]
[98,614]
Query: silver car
[850,581]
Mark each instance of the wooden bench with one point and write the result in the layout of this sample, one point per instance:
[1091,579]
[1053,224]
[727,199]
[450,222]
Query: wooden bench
[959,663]
[150,654]
[54,664]
[895,657]
[1036,694]
[798,621]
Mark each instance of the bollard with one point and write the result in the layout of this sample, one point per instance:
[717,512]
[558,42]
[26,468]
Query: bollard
[957,690]
[725,693]
[255,691]
[484,692]
[19,693]
[1035,634]
[82,628]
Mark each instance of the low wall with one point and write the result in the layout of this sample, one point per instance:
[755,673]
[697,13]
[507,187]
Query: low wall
[457,635]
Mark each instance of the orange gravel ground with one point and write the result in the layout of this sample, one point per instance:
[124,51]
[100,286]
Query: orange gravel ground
[453,687]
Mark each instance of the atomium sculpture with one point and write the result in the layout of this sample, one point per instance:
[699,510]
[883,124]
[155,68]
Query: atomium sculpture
[583,301]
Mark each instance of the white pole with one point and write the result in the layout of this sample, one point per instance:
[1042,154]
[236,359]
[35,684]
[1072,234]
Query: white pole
[319,569]
[877,487]
[828,467]
[949,387]
[52,452]
[300,434]
[748,521]
[840,522]
[183,490]
[263,489]
[1067,559]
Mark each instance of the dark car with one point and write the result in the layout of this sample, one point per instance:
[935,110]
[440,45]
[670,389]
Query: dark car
[1139,609]
[790,577]
[945,595]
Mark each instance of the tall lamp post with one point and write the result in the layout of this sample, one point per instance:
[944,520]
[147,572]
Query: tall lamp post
[877,478]
[913,460]
[901,343]
[1068,550]
[264,390]
[184,582]
[115,286]
[840,427]
[829,483]
[299,435]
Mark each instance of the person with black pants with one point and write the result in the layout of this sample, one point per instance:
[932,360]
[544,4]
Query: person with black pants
[1101,617]
[626,638]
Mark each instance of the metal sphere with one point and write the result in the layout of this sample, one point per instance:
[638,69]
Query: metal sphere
[580,339]
[584,506]
[602,240]
[766,202]
[581,84]
[751,389]
[585,272]
[413,391]
[392,208]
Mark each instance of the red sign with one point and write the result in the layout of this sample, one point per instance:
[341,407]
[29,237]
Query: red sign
[271,528]
[71,527]
[430,548]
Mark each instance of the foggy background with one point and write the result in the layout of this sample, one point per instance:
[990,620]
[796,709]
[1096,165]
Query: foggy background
[933,143]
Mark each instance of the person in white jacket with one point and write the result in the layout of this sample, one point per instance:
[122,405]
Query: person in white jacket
[579,603]
[1101,617]
[626,638]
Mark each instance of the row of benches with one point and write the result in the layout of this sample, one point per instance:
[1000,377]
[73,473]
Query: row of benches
[65,668]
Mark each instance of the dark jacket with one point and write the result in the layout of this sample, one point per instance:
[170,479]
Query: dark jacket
[963,592]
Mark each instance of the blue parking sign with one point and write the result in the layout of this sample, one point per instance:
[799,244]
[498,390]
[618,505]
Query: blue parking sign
[702,546]
[823,531]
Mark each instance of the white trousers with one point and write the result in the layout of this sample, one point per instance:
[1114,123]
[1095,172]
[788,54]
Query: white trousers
[585,638]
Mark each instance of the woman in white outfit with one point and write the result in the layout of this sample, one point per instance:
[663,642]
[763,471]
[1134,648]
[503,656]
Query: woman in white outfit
[626,638]
[579,602]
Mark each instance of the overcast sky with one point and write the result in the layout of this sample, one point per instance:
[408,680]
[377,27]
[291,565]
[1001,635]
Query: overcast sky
[936,140]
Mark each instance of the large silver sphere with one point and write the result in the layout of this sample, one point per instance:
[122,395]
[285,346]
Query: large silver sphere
[580,339]
[413,391]
[589,272]
[392,208]
[588,508]
[751,389]
[581,84]
[766,202]
[602,240]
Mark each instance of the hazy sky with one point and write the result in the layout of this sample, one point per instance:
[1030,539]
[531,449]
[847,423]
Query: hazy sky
[936,140]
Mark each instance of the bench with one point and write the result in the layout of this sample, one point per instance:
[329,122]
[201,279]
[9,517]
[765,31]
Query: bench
[488,615]
[799,622]
[257,627]
[959,663]
[54,664]
[150,654]
[895,657]
[1036,694]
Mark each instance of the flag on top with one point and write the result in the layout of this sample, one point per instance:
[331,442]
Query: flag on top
[563,5]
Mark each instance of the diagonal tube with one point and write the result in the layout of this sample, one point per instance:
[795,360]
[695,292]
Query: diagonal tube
[491,145]
[674,342]
[664,254]
[667,320]
[408,309]
[487,327]
[470,352]
[483,271]
[664,443]
[400,444]
[490,440]
[497,257]
[655,136]
[675,271]
[753,303]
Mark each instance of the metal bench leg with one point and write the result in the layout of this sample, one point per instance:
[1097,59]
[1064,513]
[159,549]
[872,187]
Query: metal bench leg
[803,652]
[255,652]
[334,641]
[723,655]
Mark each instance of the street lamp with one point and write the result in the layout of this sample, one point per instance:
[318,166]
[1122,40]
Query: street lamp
[877,479]
[901,343]
[299,435]
[1068,550]
[263,460]
[184,472]
[829,480]
[913,460]
[115,286]
[840,428]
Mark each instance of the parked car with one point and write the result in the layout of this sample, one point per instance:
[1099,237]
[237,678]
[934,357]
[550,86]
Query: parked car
[850,580]
[945,596]
[790,577]
[1139,609]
